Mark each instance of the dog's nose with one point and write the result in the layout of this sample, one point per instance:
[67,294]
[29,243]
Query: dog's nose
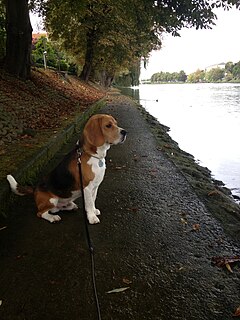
[123,132]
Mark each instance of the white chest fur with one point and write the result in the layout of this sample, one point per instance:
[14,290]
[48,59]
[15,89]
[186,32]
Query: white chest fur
[98,168]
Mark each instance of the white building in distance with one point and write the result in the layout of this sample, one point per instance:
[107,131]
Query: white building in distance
[219,65]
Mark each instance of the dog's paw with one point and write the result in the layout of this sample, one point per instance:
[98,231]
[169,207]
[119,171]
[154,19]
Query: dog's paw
[55,218]
[50,217]
[93,219]
[97,212]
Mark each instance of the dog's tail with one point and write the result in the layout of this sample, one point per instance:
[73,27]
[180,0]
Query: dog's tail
[17,189]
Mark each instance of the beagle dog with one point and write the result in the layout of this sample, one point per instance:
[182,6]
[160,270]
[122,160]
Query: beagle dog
[58,190]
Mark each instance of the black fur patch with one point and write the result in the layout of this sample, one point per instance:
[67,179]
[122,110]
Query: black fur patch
[60,181]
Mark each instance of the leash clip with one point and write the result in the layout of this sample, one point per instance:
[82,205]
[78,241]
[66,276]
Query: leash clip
[79,152]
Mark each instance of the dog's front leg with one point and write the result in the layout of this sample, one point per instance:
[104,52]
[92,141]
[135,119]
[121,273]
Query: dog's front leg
[90,206]
[94,196]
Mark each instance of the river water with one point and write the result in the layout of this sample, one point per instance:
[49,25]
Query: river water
[205,121]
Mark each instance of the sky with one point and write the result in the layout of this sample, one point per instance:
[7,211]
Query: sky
[36,23]
[195,49]
[198,49]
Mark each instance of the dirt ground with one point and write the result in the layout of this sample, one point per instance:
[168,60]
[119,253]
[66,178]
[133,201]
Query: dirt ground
[156,239]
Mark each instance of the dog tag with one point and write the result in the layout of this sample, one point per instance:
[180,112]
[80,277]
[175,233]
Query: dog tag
[100,163]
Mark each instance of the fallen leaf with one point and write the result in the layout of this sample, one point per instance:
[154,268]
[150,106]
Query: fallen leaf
[237,312]
[228,267]
[225,261]
[214,192]
[196,227]
[126,281]
[5,227]
[167,146]
[118,290]
[183,221]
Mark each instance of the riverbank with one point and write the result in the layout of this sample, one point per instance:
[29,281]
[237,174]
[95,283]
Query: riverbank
[204,119]
[156,241]
[216,197]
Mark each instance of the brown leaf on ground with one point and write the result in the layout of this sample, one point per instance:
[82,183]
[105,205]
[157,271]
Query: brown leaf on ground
[225,261]
[196,227]
[213,193]
[44,102]
[126,281]
[237,312]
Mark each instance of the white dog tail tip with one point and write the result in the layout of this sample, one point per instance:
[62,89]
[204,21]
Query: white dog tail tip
[16,188]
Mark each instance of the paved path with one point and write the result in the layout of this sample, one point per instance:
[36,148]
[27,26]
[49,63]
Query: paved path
[145,241]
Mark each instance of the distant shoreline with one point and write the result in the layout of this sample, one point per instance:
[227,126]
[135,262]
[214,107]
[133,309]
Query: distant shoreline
[181,82]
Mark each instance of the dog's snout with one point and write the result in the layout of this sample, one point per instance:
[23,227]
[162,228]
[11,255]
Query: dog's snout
[123,132]
[123,135]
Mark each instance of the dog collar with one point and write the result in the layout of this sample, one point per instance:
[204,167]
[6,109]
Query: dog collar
[100,160]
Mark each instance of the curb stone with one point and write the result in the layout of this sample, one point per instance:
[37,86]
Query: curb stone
[31,168]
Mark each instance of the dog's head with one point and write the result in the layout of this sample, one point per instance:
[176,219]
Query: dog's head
[101,129]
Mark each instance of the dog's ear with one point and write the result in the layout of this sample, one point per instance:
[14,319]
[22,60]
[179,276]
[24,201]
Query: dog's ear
[92,132]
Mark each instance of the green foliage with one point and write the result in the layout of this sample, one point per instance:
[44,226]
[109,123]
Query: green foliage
[236,71]
[215,75]
[108,36]
[54,57]
[229,67]
[128,77]
[169,77]
[197,76]
[231,73]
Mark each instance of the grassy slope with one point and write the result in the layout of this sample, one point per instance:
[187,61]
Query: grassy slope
[32,111]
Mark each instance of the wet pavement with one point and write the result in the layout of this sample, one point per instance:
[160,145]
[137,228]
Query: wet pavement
[156,238]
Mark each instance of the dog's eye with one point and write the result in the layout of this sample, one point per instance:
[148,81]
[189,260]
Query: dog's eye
[109,125]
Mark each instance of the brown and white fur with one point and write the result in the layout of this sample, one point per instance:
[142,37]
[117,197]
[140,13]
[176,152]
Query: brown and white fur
[58,190]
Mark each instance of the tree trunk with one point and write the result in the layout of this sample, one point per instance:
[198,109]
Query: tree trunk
[106,79]
[87,68]
[19,38]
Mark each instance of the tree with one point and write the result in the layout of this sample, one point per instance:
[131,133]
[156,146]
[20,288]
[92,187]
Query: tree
[103,34]
[197,76]
[123,31]
[19,38]
[215,75]
[169,77]
[229,67]
[182,77]
[236,70]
